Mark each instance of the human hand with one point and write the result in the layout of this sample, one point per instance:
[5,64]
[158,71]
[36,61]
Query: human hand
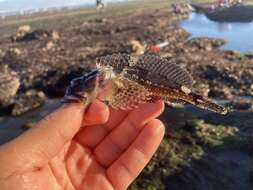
[101,149]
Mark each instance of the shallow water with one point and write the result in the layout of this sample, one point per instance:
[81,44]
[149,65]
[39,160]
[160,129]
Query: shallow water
[11,127]
[237,35]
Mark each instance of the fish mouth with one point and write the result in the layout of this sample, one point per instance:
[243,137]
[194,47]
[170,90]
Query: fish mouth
[72,99]
[81,87]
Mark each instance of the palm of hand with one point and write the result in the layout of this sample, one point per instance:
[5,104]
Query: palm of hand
[108,153]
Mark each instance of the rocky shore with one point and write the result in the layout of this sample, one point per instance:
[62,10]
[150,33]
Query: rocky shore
[201,148]
[45,61]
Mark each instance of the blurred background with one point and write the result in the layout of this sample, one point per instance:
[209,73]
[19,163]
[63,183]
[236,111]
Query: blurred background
[45,44]
[8,7]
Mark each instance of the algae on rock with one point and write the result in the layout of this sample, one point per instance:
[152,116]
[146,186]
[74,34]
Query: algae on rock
[178,149]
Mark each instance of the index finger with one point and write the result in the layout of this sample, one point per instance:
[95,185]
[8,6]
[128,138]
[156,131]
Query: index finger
[96,113]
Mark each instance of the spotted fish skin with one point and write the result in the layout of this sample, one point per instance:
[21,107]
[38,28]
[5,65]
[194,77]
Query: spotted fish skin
[131,81]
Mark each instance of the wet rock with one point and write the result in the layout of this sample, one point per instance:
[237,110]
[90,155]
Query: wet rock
[9,84]
[55,36]
[2,53]
[24,29]
[227,92]
[233,55]
[181,8]
[216,93]
[251,90]
[99,20]
[49,46]
[209,134]
[206,43]
[14,51]
[203,89]
[241,104]
[180,150]
[249,55]
[137,47]
[34,35]
[28,101]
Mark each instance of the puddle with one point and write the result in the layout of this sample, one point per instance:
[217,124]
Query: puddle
[237,35]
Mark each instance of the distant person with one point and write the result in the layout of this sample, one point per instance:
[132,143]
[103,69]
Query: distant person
[100,4]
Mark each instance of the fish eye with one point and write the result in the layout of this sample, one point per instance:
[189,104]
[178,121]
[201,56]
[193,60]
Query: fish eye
[76,81]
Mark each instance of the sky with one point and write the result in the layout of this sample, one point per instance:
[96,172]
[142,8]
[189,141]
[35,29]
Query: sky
[17,5]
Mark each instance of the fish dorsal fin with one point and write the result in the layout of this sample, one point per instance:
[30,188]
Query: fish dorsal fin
[117,61]
[160,71]
[148,68]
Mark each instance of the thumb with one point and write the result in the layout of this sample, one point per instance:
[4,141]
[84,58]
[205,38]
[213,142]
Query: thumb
[48,138]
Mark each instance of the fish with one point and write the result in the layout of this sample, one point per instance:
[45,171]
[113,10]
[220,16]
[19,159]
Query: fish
[125,82]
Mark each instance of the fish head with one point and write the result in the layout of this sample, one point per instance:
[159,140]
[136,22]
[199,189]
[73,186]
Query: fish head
[81,89]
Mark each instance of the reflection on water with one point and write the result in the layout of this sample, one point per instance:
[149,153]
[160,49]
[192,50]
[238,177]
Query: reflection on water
[238,35]
[10,127]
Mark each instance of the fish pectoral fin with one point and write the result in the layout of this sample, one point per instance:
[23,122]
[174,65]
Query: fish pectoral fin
[129,96]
